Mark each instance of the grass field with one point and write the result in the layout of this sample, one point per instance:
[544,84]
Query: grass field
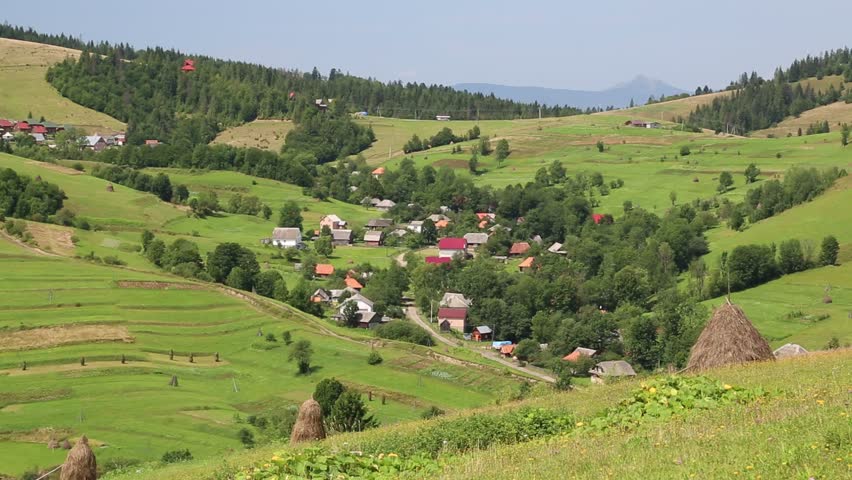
[801,431]
[22,70]
[130,408]
[668,111]
[835,114]
[262,134]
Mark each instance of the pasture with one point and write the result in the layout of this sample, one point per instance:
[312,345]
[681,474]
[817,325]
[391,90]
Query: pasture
[130,410]
[262,134]
[23,66]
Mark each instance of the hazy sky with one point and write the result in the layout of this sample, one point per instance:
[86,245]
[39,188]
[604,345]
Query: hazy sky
[562,44]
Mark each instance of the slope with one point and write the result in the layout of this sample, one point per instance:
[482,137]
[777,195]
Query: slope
[262,134]
[22,73]
[835,114]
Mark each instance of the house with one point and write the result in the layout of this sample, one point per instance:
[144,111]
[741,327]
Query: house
[323,269]
[94,142]
[454,300]
[120,139]
[526,264]
[789,350]
[337,294]
[438,260]
[23,127]
[378,172]
[364,303]
[8,137]
[614,368]
[385,205]
[321,295]
[152,143]
[374,239]
[642,124]
[379,223]
[442,224]
[474,240]
[332,221]
[6,125]
[578,353]
[399,232]
[480,333]
[341,237]
[416,226]
[507,350]
[39,129]
[286,237]
[437,217]
[449,247]
[556,248]
[452,319]
[352,283]
[368,320]
[519,248]
[442,118]
[38,137]
[51,128]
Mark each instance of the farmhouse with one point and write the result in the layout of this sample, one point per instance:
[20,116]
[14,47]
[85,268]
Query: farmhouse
[23,127]
[526,264]
[455,300]
[385,205]
[578,353]
[374,239]
[474,240]
[613,368]
[341,237]
[449,247]
[519,248]
[352,283]
[39,129]
[415,226]
[286,237]
[480,333]
[364,303]
[379,223]
[323,270]
[6,125]
[332,221]
[452,319]
[321,295]
[94,142]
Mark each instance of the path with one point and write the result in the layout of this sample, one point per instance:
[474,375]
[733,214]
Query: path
[411,313]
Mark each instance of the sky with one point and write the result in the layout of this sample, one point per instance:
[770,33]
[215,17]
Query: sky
[589,45]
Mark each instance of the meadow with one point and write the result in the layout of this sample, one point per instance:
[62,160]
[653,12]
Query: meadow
[23,66]
[52,305]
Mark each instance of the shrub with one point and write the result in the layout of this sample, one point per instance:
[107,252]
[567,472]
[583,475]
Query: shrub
[175,456]
[113,260]
[432,412]
[246,437]
[684,151]
[406,332]
[375,358]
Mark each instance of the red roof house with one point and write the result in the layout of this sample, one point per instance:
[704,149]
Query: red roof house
[452,318]
[578,353]
[519,248]
[188,65]
[448,247]
[22,127]
[324,269]
[7,124]
[352,283]
[438,260]
[598,218]
[379,171]
[39,129]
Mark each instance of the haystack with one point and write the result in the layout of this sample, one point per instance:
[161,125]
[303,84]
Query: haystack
[53,444]
[80,464]
[174,381]
[110,188]
[309,426]
[729,337]
[826,299]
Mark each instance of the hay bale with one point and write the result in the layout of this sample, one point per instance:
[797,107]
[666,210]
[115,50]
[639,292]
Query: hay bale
[110,188]
[80,464]
[826,299]
[728,338]
[309,426]
[66,445]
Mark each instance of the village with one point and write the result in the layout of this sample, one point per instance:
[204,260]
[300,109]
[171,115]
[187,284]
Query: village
[44,133]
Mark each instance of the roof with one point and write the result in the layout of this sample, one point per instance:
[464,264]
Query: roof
[507,349]
[483,216]
[454,300]
[324,269]
[579,352]
[437,260]
[338,234]
[367,317]
[613,368]
[152,142]
[597,217]
[527,263]
[39,137]
[483,329]
[555,248]
[5,123]
[320,292]
[519,248]
[452,313]
[352,283]
[39,129]
[335,294]
[399,232]
[380,222]
[437,217]
[452,243]
[379,171]
[476,238]
[373,236]
[789,350]
[92,140]
[286,233]
[416,223]
[331,218]
[358,298]
[386,204]
[442,223]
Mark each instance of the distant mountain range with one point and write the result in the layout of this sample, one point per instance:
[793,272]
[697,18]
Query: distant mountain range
[638,89]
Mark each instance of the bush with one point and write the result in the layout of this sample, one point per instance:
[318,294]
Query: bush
[246,437]
[374,358]
[406,332]
[175,456]
[684,151]
[113,260]
[432,412]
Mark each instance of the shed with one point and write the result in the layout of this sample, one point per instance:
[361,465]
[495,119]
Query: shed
[519,248]
[482,332]
[476,239]
[507,350]
[321,295]
[526,264]
[341,237]
[324,269]
[579,352]
[379,223]
[612,368]
[374,239]
[556,248]
[385,205]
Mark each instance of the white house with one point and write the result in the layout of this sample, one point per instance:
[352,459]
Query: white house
[286,237]
[416,226]
[364,303]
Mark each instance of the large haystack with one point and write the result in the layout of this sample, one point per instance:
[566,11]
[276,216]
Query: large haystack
[80,463]
[309,426]
[729,337]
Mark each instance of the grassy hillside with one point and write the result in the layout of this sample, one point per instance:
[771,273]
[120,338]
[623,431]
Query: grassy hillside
[55,311]
[262,134]
[835,114]
[22,69]
[667,111]
[800,431]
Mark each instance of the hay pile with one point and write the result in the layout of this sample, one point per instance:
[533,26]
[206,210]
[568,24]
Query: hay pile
[729,337]
[80,464]
[309,426]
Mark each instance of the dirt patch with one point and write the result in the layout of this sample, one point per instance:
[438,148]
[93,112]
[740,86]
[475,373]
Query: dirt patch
[52,237]
[63,335]
[56,168]
[451,162]
[159,285]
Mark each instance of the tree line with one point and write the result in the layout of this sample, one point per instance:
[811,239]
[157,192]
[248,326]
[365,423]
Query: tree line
[27,198]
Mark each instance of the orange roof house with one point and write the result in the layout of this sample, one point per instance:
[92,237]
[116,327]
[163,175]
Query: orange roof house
[442,223]
[519,248]
[352,283]
[507,350]
[527,263]
[578,353]
[324,269]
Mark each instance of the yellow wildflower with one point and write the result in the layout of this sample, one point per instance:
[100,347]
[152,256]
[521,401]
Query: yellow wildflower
[728,387]
[749,467]
[580,424]
[652,390]
[821,402]
[393,455]
[672,392]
